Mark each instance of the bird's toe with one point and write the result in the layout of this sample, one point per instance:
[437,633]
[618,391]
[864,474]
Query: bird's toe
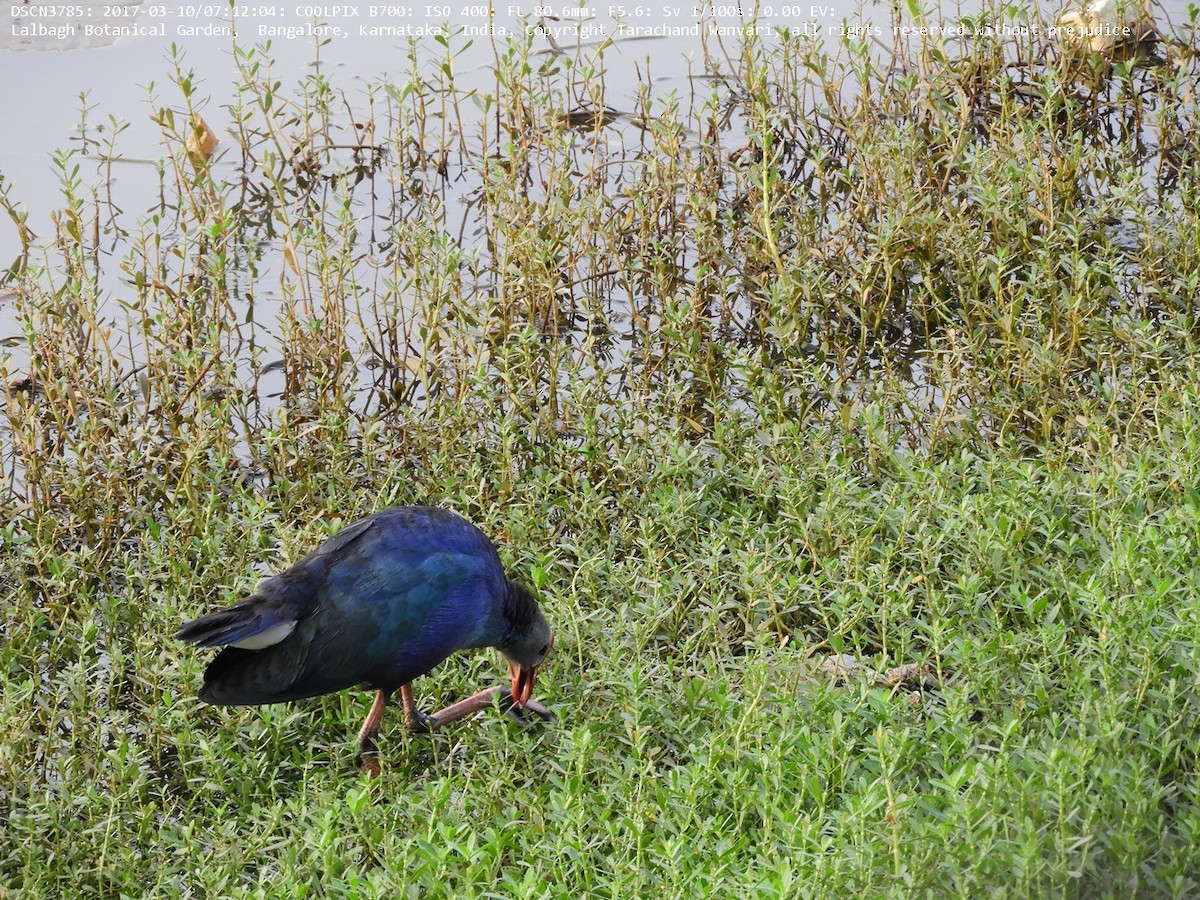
[532,709]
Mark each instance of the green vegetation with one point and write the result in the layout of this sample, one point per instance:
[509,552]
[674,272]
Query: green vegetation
[893,361]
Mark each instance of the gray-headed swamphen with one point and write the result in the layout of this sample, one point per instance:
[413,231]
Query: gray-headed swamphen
[378,604]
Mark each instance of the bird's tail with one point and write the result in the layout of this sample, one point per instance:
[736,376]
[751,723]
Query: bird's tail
[247,625]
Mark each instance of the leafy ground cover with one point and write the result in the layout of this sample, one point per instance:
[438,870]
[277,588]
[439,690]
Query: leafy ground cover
[805,371]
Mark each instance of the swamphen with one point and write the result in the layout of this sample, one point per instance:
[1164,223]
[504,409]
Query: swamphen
[379,603]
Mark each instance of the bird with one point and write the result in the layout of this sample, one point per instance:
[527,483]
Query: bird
[379,603]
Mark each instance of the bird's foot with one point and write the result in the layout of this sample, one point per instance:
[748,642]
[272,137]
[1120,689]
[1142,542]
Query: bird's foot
[419,723]
[527,712]
[370,764]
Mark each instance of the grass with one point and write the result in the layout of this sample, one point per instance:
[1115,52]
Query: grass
[841,359]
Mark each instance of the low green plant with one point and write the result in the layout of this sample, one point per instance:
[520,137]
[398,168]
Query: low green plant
[840,360]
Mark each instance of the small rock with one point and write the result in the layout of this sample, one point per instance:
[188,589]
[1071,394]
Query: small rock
[841,668]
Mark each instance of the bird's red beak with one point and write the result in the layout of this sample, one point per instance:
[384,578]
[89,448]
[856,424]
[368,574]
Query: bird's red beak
[523,679]
[522,683]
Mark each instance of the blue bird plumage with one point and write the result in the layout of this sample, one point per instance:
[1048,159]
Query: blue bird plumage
[378,604]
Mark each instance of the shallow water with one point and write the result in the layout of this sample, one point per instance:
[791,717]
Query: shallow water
[122,80]
[47,74]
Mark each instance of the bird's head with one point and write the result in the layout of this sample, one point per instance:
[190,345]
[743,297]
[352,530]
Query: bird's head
[527,640]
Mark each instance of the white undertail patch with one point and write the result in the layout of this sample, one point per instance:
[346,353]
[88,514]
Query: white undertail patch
[268,638]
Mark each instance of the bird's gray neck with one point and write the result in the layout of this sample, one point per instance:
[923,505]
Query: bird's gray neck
[520,606]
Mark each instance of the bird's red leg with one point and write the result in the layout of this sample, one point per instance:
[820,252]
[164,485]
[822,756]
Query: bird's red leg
[483,700]
[366,746]
[454,711]
[417,720]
